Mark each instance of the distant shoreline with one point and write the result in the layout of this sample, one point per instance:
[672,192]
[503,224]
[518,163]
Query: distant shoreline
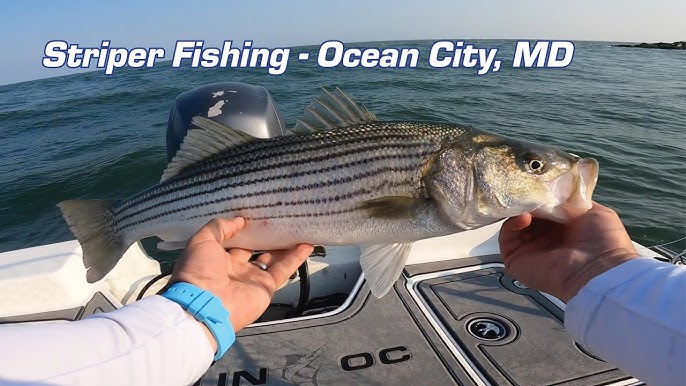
[665,46]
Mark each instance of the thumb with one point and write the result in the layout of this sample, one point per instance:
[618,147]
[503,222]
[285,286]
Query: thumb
[283,263]
[511,227]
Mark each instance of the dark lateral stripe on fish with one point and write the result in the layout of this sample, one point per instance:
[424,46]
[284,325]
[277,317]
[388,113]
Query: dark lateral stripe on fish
[317,201]
[151,203]
[313,160]
[282,146]
[189,179]
[315,185]
[268,192]
[307,214]
[333,168]
[293,145]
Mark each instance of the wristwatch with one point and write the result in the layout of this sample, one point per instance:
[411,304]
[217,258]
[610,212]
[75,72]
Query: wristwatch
[207,308]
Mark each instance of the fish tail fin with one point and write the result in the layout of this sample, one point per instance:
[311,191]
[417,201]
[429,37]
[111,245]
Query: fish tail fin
[91,221]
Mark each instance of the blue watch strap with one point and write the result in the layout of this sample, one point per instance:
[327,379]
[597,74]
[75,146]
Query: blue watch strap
[207,308]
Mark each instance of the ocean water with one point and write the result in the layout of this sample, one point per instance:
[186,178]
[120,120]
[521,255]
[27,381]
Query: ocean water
[94,136]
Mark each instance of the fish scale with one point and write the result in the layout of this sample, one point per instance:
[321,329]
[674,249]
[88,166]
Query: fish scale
[263,156]
[388,168]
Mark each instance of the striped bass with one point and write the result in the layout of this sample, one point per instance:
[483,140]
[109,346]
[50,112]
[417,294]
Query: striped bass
[342,177]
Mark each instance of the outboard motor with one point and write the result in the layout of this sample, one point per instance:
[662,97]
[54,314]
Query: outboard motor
[238,105]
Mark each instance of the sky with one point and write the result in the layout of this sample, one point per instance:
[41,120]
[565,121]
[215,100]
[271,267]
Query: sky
[26,26]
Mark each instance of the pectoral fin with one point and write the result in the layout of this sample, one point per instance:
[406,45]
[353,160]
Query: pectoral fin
[382,265]
[392,207]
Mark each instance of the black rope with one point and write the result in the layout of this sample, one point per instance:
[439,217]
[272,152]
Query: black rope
[150,283]
[304,276]
[303,298]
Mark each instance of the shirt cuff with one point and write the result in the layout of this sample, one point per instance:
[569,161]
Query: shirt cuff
[581,308]
[171,314]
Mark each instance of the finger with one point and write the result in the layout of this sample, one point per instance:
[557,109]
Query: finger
[600,212]
[283,263]
[219,230]
[520,222]
[600,207]
[512,226]
[240,254]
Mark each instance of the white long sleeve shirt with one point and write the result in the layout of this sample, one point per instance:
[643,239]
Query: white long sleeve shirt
[633,316]
[149,342]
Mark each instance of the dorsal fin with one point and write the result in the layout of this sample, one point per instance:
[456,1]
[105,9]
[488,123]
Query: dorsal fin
[207,139]
[332,110]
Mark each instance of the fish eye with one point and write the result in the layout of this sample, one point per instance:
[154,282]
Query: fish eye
[535,164]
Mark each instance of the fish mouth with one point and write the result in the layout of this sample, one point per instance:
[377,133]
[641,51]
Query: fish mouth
[588,178]
[572,192]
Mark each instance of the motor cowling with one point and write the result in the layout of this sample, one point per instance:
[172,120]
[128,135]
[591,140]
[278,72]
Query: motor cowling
[240,106]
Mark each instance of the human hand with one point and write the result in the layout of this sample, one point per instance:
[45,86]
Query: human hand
[559,259]
[244,288]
